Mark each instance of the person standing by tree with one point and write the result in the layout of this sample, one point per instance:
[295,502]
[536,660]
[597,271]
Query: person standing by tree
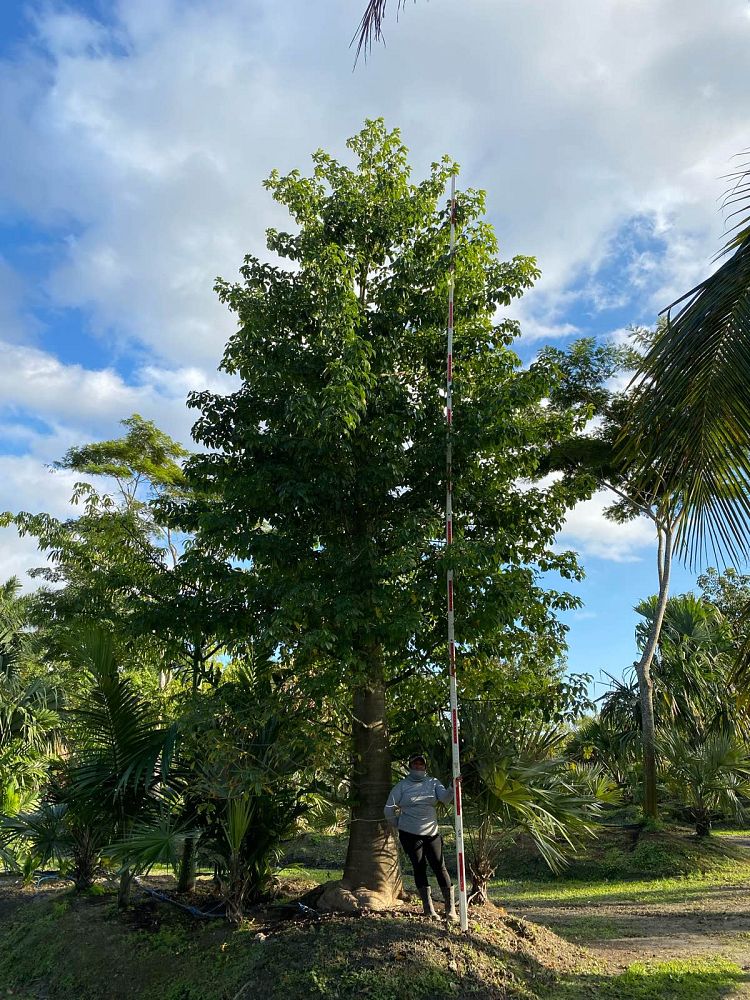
[410,809]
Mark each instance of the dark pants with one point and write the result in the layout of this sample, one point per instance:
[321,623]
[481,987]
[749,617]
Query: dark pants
[420,850]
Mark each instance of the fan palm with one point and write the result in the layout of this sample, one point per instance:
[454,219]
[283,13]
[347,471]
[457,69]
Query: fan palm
[72,838]
[691,418]
[693,661]
[709,779]
[611,740]
[520,783]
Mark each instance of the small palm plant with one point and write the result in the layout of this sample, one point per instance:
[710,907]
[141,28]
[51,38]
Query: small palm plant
[54,833]
[521,783]
[707,779]
[246,763]
[121,755]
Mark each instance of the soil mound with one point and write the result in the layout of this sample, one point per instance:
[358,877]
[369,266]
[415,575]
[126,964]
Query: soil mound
[60,946]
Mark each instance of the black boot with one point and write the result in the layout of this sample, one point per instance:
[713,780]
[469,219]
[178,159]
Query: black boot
[449,897]
[426,896]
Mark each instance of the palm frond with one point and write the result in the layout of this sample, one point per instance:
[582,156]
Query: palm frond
[45,830]
[122,749]
[737,199]
[150,844]
[691,418]
[370,28]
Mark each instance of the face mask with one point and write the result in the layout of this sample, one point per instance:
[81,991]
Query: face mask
[416,775]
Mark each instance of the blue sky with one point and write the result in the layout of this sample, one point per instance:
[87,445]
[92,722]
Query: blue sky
[136,135]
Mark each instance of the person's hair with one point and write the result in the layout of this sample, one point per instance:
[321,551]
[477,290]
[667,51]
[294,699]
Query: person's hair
[417,756]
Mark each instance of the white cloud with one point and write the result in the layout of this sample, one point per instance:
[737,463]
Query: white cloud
[83,404]
[70,405]
[145,142]
[589,532]
[26,484]
[139,148]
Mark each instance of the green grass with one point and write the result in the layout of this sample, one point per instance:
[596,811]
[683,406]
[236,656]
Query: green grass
[689,979]
[657,890]
[64,947]
[317,875]
[587,928]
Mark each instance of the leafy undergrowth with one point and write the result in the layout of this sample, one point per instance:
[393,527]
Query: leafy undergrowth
[59,946]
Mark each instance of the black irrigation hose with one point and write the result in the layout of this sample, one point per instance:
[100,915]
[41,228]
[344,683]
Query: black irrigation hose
[193,910]
[50,876]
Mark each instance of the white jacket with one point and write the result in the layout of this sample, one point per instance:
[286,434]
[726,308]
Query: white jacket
[411,804]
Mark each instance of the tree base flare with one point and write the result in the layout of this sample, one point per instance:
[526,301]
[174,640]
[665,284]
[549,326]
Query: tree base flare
[340,897]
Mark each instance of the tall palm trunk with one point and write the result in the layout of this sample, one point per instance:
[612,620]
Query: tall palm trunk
[372,861]
[645,683]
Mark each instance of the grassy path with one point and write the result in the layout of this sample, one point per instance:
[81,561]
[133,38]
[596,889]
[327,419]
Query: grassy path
[695,917]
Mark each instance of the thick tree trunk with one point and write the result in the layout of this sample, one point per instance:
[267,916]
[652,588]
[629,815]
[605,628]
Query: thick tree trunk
[372,856]
[186,882]
[645,684]
[372,876]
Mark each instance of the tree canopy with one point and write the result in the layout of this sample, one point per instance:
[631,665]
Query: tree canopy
[323,474]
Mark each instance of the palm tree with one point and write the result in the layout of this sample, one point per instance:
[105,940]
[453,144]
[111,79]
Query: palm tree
[519,782]
[121,755]
[692,666]
[691,418]
[709,779]
[246,771]
[597,455]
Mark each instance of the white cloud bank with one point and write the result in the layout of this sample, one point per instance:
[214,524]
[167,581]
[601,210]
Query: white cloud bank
[139,146]
[71,404]
[145,141]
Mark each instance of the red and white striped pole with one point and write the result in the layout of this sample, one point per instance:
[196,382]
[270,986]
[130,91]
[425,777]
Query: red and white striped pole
[457,812]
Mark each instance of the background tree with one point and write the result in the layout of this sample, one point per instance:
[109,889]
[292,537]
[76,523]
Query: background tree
[701,729]
[120,754]
[120,566]
[322,477]
[29,707]
[595,455]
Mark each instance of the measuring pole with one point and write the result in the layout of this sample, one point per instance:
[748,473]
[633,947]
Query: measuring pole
[457,813]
